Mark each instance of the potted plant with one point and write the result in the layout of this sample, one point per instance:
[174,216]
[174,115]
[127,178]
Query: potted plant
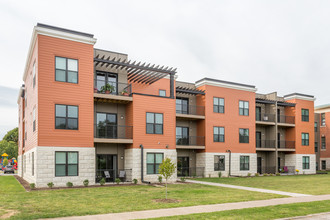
[96,90]
[124,92]
[107,89]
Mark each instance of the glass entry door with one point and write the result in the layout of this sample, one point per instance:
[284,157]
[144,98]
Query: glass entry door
[182,135]
[106,167]
[106,125]
[183,166]
[182,105]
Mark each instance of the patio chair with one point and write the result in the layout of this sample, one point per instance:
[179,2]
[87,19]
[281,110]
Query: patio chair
[122,175]
[285,169]
[107,175]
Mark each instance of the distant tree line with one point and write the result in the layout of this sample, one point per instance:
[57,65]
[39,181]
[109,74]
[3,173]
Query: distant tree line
[9,144]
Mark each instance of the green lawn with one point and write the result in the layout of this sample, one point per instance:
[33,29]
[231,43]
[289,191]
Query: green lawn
[270,212]
[88,201]
[307,184]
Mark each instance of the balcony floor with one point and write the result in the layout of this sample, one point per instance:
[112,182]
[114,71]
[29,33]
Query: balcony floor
[99,97]
[187,116]
[190,147]
[113,141]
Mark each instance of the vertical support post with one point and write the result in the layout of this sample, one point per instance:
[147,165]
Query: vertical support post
[172,86]
[276,138]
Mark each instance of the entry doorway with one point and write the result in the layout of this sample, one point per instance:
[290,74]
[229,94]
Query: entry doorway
[106,167]
[183,166]
[259,163]
[258,139]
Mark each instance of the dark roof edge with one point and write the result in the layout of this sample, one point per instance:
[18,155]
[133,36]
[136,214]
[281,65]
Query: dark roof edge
[222,81]
[65,30]
[300,94]
[111,51]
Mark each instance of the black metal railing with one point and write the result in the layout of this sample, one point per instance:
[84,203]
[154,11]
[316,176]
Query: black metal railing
[265,117]
[190,109]
[110,175]
[287,169]
[103,130]
[266,169]
[190,172]
[113,88]
[286,119]
[286,144]
[265,143]
[190,140]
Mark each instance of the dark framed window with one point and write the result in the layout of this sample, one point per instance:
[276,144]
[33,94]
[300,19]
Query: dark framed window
[305,163]
[315,126]
[34,119]
[66,70]
[304,114]
[219,162]
[305,139]
[316,146]
[66,163]
[66,117]
[244,163]
[218,105]
[243,135]
[218,134]
[244,108]
[182,135]
[153,162]
[34,74]
[322,119]
[162,92]
[323,143]
[154,123]
[107,82]
[324,165]
[182,105]
[106,126]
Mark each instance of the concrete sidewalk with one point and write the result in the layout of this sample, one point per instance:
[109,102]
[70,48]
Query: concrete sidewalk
[248,188]
[199,209]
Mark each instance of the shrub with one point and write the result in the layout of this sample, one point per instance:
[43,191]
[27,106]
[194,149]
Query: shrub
[135,181]
[271,174]
[265,174]
[117,180]
[32,186]
[183,179]
[160,179]
[278,174]
[219,174]
[249,174]
[256,174]
[86,182]
[69,184]
[102,181]
[50,185]
[209,175]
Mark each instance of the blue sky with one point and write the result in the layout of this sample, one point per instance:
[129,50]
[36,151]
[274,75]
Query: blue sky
[276,45]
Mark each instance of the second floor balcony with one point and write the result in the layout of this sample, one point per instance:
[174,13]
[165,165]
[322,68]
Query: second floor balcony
[286,145]
[285,120]
[265,118]
[112,133]
[265,144]
[190,111]
[190,142]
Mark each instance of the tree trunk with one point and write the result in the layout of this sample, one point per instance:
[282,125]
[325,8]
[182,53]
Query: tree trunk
[166,189]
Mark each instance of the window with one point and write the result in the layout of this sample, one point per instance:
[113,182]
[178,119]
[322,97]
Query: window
[34,74]
[66,70]
[243,135]
[218,134]
[315,126]
[182,135]
[162,92]
[154,123]
[106,126]
[66,117]
[108,83]
[305,163]
[153,162]
[34,119]
[182,105]
[219,162]
[218,105]
[244,163]
[243,108]
[305,139]
[324,165]
[304,114]
[316,145]
[66,163]
[323,146]
[32,163]
[322,119]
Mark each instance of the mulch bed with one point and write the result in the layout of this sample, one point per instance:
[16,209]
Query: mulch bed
[23,182]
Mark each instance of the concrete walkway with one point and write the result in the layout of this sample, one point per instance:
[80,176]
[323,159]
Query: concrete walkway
[199,209]
[319,216]
[249,188]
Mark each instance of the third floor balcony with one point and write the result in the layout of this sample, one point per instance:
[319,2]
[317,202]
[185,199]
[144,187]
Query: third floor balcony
[284,120]
[184,110]
[190,142]
[112,91]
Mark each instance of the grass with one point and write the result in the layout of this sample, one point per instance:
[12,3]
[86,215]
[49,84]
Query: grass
[89,201]
[306,184]
[269,212]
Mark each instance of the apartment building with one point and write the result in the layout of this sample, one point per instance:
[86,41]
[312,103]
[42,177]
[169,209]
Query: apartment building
[322,137]
[87,113]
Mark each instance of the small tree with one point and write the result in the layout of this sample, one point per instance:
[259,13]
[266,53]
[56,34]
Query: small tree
[166,169]
[5,162]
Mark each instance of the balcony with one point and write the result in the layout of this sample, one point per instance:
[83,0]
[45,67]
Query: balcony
[286,145]
[190,142]
[265,145]
[265,119]
[283,120]
[118,134]
[190,111]
[113,92]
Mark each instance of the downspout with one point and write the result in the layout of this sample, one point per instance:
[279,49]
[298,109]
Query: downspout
[172,86]
[142,180]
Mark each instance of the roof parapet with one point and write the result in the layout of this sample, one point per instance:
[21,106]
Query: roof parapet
[225,84]
[299,96]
